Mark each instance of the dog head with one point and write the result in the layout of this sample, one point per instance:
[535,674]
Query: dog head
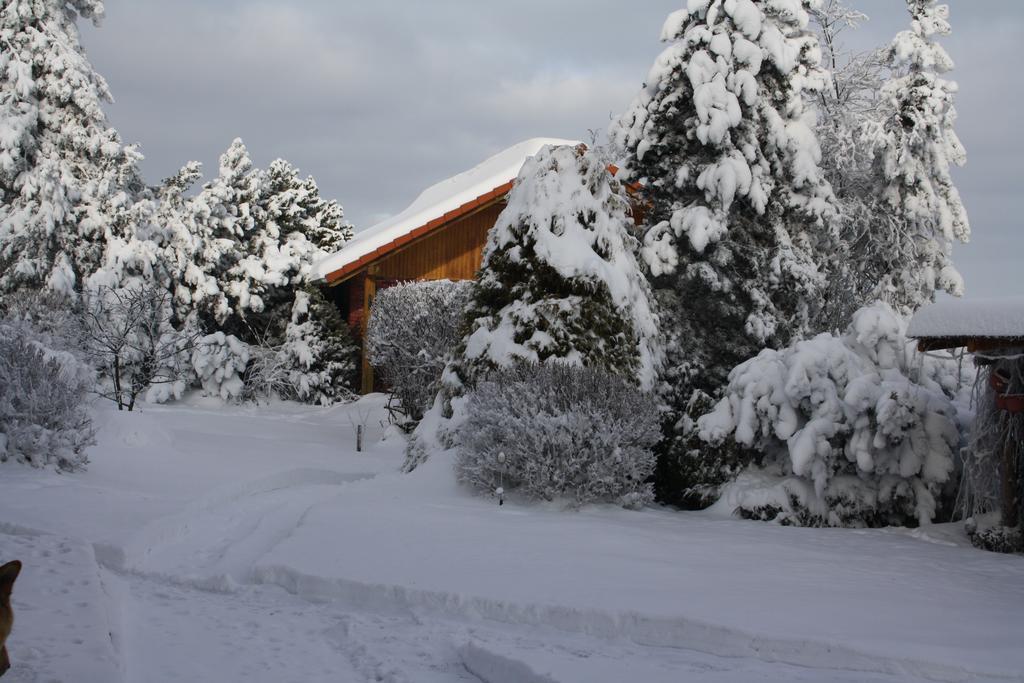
[8,573]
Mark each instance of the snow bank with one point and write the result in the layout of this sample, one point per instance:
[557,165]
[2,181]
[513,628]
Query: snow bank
[1002,317]
[905,655]
[493,667]
[438,200]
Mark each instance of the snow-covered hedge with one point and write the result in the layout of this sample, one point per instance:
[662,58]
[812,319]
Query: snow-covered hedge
[849,431]
[44,416]
[412,330]
[566,432]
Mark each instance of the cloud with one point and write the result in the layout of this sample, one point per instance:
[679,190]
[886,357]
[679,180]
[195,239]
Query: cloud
[379,100]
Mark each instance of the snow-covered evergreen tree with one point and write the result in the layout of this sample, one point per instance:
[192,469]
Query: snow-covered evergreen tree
[67,184]
[218,363]
[915,147]
[224,223]
[258,233]
[560,277]
[321,357]
[294,227]
[178,238]
[724,144]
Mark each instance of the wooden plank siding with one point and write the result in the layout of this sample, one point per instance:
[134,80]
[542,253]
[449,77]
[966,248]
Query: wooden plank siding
[453,251]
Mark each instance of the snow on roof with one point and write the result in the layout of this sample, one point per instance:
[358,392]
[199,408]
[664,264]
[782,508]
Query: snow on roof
[438,200]
[988,318]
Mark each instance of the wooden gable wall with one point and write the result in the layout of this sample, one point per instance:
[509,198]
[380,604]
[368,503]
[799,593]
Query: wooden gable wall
[452,252]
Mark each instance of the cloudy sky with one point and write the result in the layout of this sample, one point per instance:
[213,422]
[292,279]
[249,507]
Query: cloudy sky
[379,99]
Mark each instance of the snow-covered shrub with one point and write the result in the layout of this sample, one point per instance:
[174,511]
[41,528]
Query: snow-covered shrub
[565,431]
[413,329]
[54,316]
[44,416]
[128,336]
[996,538]
[847,431]
[219,361]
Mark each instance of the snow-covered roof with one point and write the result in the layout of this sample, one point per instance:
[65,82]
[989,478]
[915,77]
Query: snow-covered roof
[970,318]
[446,197]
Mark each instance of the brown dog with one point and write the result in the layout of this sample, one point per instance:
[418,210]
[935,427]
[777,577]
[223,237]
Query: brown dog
[8,573]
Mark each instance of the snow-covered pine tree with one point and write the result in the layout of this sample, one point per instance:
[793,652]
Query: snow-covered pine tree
[178,237]
[914,148]
[224,224]
[258,235]
[329,231]
[294,227]
[67,183]
[319,353]
[560,277]
[722,141]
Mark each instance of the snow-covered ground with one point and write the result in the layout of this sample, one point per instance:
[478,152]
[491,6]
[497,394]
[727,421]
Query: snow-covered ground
[207,543]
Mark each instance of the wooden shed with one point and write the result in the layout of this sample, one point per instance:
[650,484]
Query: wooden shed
[993,330]
[440,236]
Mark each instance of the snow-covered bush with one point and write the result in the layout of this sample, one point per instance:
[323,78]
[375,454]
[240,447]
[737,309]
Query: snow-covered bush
[128,336]
[413,329]
[846,431]
[53,317]
[565,432]
[44,416]
[219,361]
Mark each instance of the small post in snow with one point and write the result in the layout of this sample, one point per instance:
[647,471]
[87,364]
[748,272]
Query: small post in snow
[500,491]
[359,438]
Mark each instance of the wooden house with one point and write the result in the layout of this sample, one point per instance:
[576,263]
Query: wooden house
[440,236]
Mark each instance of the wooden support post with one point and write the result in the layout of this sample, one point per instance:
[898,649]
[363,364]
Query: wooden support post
[369,290]
[1009,475]
[359,438]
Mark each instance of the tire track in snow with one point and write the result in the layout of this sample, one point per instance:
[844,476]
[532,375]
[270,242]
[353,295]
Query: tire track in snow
[219,538]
